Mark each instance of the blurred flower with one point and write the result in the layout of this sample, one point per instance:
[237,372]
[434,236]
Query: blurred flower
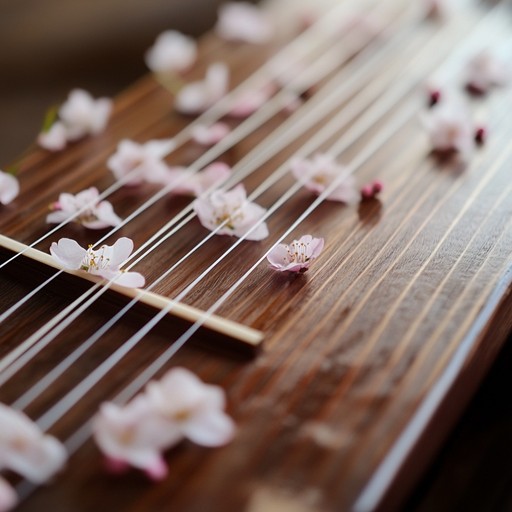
[320,172]
[233,212]
[197,97]
[197,184]
[96,215]
[210,135]
[296,257]
[55,139]
[104,262]
[143,162]
[9,187]
[26,450]
[486,70]
[242,21]
[8,497]
[172,52]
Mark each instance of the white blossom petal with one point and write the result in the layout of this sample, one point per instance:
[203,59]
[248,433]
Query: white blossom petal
[242,21]
[68,253]
[55,139]
[296,257]
[172,52]
[8,496]
[9,187]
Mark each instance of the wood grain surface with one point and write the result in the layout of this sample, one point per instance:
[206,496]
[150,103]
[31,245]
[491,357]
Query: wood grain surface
[369,357]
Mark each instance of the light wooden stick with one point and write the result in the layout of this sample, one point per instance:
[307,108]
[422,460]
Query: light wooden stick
[246,335]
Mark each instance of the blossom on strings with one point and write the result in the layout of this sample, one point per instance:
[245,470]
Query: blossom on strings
[104,262]
[26,450]
[450,127]
[137,163]
[197,97]
[172,52]
[198,183]
[296,257]
[82,115]
[94,214]
[9,187]
[178,406]
[486,70]
[134,435]
[242,21]
[210,135]
[8,496]
[250,101]
[230,213]
[193,409]
[320,172]
[55,138]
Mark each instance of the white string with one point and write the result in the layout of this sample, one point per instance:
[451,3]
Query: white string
[323,26]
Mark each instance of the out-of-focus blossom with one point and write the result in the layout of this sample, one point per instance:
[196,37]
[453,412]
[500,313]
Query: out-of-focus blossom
[55,139]
[95,215]
[242,21]
[320,172]
[210,135]
[8,496]
[486,70]
[9,187]
[198,183]
[233,212]
[197,97]
[173,52]
[142,162]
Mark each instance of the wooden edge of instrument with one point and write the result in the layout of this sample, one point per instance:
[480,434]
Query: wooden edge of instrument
[437,414]
[247,335]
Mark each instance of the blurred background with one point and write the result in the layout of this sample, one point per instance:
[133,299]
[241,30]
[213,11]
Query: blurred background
[52,46]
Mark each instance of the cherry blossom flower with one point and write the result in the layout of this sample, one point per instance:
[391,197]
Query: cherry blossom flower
[104,262]
[197,97]
[296,257]
[372,190]
[320,172]
[197,184]
[96,215]
[193,409]
[55,139]
[9,187]
[210,135]
[486,70]
[450,127]
[134,435]
[231,210]
[250,101]
[26,450]
[82,115]
[8,497]
[172,52]
[143,162]
[242,21]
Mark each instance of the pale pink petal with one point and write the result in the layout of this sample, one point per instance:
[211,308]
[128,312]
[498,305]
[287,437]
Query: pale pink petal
[211,427]
[172,52]
[486,70]
[296,257]
[55,139]
[105,217]
[8,496]
[248,103]
[210,135]
[121,250]
[68,253]
[242,21]
[127,279]
[9,187]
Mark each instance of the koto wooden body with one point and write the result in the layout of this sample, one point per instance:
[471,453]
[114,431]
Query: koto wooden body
[368,357]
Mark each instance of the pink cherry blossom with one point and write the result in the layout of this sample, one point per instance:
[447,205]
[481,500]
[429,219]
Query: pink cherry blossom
[138,163]
[134,435]
[197,97]
[8,497]
[96,215]
[486,70]
[172,52]
[233,212]
[82,115]
[55,139]
[9,187]
[199,183]
[242,21]
[210,135]
[296,257]
[250,101]
[192,408]
[320,172]
[26,450]
[104,262]
[450,127]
